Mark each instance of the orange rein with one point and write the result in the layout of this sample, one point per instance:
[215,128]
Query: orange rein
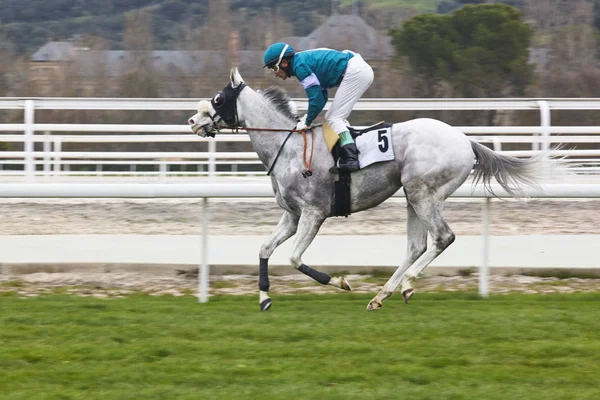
[312,149]
[308,163]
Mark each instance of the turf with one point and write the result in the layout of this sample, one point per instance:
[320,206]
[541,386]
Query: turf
[444,346]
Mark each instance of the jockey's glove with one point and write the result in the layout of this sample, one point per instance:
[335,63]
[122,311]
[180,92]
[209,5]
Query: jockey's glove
[301,126]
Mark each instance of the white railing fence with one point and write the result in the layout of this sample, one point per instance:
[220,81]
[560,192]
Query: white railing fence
[264,190]
[53,161]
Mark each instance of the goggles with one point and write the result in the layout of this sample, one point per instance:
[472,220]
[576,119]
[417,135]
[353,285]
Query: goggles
[275,67]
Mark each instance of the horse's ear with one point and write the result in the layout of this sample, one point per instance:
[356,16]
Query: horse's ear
[235,77]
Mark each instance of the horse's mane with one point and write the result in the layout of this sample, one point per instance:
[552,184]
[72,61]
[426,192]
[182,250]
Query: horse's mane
[281,100]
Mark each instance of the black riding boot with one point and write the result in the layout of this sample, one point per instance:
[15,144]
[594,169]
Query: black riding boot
[349,157]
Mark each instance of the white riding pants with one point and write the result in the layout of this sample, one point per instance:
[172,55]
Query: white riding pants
[357,79]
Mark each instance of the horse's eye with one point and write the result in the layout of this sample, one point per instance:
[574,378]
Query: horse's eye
[219,99]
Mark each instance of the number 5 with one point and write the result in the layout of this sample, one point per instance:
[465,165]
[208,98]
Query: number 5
[383,140]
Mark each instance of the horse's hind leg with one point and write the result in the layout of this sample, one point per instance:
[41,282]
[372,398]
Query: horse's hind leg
[429,211]
[309,225]
[442,237]
[287,226]
[416,246]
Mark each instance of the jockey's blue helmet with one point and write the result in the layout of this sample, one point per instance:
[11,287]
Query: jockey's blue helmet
[276,52]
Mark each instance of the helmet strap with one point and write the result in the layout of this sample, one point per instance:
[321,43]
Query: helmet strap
[282,54]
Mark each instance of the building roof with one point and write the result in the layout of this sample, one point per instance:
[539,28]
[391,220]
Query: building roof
[118,62]
[53,51]
[293,41]
[350,32]
[338,32]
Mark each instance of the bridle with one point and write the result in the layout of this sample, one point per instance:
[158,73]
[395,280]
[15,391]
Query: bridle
[225,105]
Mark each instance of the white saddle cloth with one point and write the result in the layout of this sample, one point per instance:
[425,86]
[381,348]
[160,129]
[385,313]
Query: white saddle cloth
[375,146]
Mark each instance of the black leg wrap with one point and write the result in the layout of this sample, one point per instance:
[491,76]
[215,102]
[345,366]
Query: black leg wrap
[320,277]
[263,275]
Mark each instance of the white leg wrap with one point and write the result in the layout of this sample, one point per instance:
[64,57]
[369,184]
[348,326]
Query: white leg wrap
[340,282]
[336,281]
[406,284]
[263,296]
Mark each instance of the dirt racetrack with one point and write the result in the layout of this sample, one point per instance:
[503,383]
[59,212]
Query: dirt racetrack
[254,217]
[259,217]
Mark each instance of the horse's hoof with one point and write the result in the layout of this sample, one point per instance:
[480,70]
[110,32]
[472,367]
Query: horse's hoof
[374,305]
[340,282]
[344,284]
[407,294]
[265,305]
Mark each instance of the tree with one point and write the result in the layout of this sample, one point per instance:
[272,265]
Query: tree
[426,41]
[447,6]
[7,63]
[139,79]
[479,50]
[13,82]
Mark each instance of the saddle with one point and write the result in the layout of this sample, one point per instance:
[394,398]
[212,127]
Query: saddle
[342,202]
[355,133]
[331,138]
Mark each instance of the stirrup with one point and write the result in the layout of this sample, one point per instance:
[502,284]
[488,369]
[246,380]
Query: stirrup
[352,167]
[336,169]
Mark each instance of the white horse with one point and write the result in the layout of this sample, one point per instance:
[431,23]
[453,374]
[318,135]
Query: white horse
[432,159]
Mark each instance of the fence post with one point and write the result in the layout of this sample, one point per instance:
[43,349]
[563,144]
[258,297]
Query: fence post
[203,274]
[212,150]
[484,269]
[28,141]
[545,123]
[497,144]
[47,153]
[162,170]
[57,157]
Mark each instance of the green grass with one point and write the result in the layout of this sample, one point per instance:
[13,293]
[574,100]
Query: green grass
[441,346]
[562,274]
[15,283]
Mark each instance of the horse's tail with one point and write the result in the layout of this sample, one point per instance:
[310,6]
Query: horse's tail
[510,172]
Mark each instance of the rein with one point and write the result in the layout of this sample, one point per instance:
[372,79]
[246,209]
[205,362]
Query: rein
[225,106]
[307,163]
[308,171]
[270,130]
[278,154]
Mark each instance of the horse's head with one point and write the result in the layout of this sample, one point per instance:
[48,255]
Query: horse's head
[221,110]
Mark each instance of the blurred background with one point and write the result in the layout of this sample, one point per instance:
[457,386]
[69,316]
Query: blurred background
[98,93]
[421,48]
[175,52]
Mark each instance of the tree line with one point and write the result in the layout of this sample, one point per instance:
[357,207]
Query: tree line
[475,50]
[30,24]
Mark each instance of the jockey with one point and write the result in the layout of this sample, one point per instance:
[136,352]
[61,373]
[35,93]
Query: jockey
[319,70]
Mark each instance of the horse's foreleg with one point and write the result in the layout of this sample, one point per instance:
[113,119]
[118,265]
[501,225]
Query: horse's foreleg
[287,226]
[309,225]
[416,246]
